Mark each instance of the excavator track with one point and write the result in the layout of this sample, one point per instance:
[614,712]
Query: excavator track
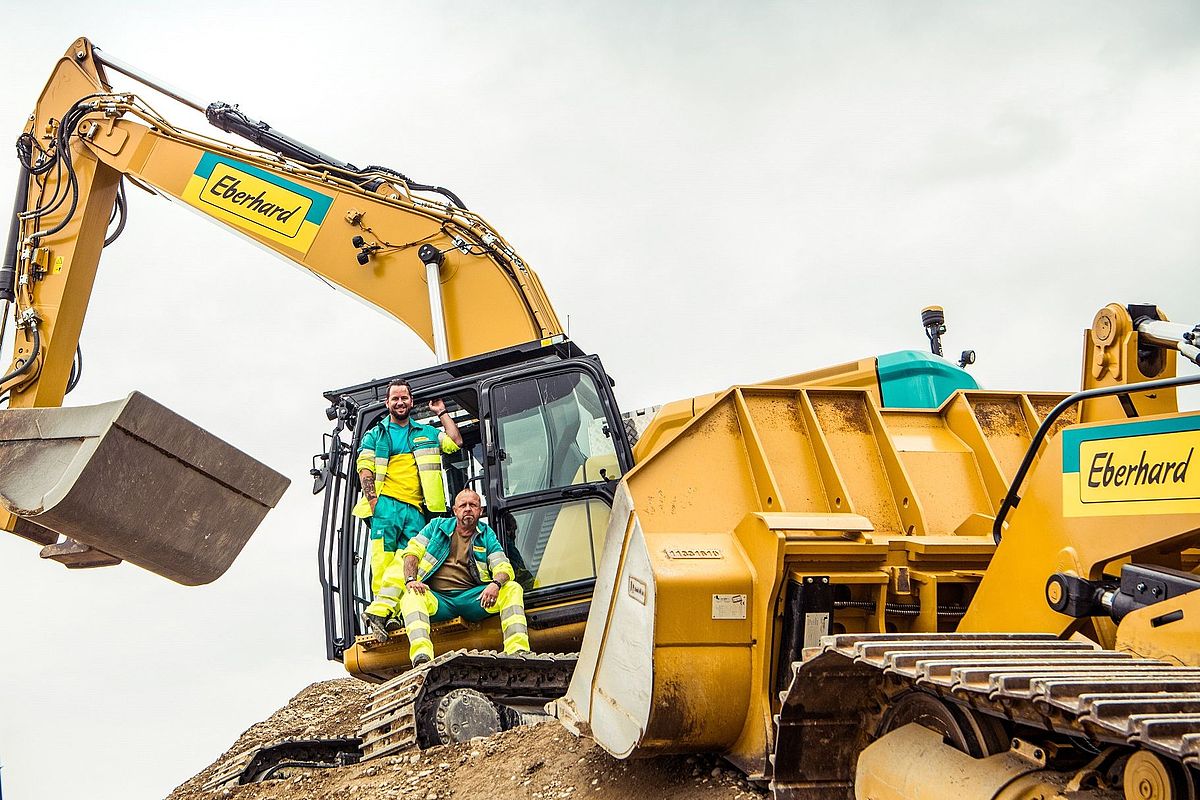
[408,710]
[842,692]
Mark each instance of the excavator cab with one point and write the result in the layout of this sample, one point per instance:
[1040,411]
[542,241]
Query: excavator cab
[544,444]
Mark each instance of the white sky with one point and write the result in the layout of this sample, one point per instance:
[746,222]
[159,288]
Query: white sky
[713,193]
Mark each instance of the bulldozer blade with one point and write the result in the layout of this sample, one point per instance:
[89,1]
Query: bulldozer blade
[134,480]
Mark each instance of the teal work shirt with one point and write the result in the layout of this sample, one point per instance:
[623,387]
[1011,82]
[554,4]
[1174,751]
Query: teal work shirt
[431,547]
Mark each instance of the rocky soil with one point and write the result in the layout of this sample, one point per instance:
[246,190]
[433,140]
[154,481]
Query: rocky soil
[540,761]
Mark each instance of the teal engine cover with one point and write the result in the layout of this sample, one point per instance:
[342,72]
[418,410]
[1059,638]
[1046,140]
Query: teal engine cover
[913,379]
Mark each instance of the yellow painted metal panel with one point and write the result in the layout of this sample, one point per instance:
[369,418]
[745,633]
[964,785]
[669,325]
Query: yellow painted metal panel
[844,420]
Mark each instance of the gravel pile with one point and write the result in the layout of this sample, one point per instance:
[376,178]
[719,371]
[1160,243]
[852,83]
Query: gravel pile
[538,762]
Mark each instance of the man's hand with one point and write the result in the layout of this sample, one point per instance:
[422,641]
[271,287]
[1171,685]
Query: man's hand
[415,586]
[490,593]
[438,407]
[373,500]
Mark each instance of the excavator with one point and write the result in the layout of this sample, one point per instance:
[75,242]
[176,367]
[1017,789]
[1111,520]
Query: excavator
[870,580]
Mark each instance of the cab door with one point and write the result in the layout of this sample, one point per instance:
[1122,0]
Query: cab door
[555,448]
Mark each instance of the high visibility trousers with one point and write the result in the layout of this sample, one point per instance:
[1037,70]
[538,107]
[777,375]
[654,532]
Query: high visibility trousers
[421,609]
[392,525]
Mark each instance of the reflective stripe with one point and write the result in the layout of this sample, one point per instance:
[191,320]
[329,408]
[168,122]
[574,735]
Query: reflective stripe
[513,626]
[416,618]
[390,591]
[417,546]
[417,608]
[496,558]
[381,559]
[516,643]
[429,471]
[383,607]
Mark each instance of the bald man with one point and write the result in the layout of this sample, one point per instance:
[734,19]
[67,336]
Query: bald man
[455,567]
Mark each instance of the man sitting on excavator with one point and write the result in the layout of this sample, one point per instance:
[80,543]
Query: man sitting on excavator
[453,567]
[400,468]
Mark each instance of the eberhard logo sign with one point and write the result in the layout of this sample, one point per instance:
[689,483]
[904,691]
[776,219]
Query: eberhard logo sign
[1144,467]
[257,201]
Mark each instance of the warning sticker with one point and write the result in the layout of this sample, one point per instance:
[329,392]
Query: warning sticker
[815,626]
[729,606]
[637,590]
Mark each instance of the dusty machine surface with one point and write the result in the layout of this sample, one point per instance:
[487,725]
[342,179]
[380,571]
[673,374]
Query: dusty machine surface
[1014,572]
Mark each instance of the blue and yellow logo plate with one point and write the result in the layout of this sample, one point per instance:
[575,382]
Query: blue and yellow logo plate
[257,201]
[1142,467]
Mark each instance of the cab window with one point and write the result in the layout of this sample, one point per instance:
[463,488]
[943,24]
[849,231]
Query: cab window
[552,433]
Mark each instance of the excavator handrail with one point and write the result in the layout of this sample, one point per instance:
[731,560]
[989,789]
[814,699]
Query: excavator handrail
[1012,499]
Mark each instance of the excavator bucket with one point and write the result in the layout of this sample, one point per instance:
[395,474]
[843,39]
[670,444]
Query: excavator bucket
[131,480]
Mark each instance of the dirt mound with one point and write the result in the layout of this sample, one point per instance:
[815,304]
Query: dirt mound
[540,761]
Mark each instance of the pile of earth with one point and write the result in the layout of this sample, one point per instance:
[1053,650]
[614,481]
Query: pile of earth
[538,761]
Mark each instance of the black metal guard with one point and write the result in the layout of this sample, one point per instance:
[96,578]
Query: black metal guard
[336,574]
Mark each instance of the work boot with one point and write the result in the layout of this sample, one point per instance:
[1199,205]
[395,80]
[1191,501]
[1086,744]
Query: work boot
[376,626]
[421,659]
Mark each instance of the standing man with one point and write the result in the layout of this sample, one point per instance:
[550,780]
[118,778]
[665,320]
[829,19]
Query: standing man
[400,469]
[455,567]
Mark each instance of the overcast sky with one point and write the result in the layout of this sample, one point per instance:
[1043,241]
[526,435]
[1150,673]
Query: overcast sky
[712,193]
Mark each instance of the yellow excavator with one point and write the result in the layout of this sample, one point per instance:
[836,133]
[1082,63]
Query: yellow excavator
[871,580]
[131,480]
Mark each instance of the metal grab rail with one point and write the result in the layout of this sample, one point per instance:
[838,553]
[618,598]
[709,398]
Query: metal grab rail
[1012,499]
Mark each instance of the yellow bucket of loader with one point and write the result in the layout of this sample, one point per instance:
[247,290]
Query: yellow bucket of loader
[131,480]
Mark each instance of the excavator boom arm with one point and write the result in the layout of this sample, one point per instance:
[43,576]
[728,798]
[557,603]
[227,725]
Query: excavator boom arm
[367,232]
[125,480]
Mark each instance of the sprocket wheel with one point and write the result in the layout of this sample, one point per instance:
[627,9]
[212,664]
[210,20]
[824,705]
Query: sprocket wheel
[461,715]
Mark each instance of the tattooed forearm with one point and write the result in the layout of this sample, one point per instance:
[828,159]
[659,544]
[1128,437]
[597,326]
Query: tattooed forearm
[367,478]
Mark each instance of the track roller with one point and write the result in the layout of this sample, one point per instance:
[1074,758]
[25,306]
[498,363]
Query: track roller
[1148,777]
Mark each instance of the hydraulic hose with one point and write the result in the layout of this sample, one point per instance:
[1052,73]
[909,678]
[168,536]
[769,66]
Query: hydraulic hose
[120,213]
[232,119]
[76,370]
[8,272]
[21,370]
